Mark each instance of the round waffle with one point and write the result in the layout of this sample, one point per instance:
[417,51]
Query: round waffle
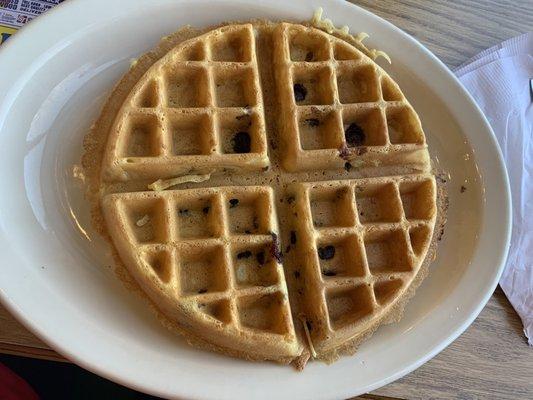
[302,203]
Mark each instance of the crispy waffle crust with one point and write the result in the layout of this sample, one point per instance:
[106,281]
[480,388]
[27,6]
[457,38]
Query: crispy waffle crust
[306,206]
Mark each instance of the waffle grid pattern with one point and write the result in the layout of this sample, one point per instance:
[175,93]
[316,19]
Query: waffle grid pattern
[229,275]
[183,114]
[325,85]
[362,242]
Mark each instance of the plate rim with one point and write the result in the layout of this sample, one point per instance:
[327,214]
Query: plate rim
[24,316]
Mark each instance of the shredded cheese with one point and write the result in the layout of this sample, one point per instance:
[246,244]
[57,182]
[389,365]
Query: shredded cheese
[308,337]
[143,221]
[361,36]
[344,32]
[162,184]
[380,53]
[78,173]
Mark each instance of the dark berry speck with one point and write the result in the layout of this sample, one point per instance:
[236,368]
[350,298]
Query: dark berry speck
[244,254]
[309,56]
[293,237]
[275,251]
[347,166]
[326,252]
[300,92]
[312,122]
[205,210]
[329,273]
[202,291]
[233,203]
[260,257]
[242,142]
[354,134]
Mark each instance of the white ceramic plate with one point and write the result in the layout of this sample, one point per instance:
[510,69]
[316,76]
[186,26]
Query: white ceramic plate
[55,276]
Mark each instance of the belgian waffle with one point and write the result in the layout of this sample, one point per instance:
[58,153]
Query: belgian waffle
[303,204]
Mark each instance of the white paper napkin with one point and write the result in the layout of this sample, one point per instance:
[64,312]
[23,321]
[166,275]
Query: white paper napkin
[499,79]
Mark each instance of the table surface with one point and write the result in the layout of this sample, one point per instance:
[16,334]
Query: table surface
[492,358]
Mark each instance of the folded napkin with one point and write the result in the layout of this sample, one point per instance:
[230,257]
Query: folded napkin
[500,80]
